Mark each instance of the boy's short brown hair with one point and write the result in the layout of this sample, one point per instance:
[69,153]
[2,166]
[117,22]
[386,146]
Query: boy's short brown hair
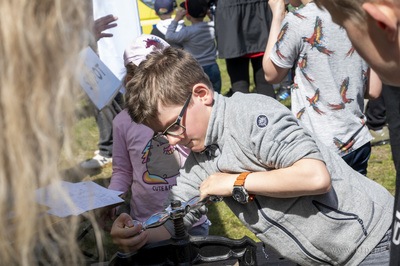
[351,8]
[165,77]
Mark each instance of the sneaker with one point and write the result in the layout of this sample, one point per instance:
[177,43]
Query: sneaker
[97,161]
[282,93]
[380,138]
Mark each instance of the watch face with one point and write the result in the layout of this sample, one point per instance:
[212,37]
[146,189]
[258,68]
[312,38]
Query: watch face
[239,195]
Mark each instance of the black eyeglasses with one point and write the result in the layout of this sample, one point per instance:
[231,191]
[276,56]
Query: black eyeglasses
[176,128]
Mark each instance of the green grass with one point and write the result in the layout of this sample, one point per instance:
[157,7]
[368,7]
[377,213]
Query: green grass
[224,222]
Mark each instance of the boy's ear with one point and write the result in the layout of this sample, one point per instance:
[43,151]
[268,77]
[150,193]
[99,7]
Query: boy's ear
[385,18]
[203,93]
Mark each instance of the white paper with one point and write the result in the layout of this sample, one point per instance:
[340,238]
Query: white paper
[97,80]
[85,196]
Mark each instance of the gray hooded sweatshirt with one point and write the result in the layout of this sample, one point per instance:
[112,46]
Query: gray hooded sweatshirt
[250,133]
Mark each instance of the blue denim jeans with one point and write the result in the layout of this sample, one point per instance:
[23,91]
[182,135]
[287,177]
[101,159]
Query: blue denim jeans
[214,74]
[380,255]
[358,159]
[200,230]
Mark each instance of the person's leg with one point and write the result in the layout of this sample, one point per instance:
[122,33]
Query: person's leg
[262,86]
[376,121]
[358,159]
[391,97]
[104,123]
[376,113]
[238,70]
[214,74]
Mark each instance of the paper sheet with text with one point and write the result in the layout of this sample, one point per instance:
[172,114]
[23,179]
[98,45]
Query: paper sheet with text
[83,196]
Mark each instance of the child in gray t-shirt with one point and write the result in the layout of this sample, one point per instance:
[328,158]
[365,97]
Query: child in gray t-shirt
[331,80]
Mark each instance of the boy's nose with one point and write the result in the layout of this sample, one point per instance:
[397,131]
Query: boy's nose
[173,140]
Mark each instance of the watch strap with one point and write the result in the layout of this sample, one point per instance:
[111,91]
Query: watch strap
[240,182]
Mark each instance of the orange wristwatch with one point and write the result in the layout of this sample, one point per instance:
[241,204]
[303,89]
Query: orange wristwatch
[239,193]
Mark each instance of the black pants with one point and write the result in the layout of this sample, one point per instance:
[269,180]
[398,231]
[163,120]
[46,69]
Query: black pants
[104,123]
[238,70]
[376,113]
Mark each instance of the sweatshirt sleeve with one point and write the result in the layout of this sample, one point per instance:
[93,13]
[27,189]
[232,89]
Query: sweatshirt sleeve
[176,36]
[121,178]
[275,137]
[188,184]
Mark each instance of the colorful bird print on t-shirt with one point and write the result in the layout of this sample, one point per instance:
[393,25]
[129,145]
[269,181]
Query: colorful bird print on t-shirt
[316,39]
[280,39]
[343,91]
[314,102]
[303,67]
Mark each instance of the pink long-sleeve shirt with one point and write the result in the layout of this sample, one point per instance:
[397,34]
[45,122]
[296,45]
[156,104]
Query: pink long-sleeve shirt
[147,167]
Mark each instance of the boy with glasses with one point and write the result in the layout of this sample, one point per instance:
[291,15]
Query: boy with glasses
[272,173]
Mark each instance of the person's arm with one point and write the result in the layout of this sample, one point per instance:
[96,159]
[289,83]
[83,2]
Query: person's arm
[121,178]
[125,234]
[304,177]
[122,174]
[176,36]
[374,85]
[273,73]
[102,24]
[292,158]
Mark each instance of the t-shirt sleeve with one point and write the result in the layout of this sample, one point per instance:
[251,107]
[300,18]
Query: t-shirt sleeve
[287,46]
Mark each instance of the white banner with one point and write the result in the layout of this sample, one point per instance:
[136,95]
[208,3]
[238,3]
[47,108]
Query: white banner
[111,49]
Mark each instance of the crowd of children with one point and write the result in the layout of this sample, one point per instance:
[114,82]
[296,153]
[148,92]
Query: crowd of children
[279,174]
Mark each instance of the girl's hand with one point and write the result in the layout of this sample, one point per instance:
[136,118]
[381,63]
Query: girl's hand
[278,9]
[127,236]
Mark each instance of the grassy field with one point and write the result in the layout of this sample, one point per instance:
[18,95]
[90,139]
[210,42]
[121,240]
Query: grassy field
[224,223]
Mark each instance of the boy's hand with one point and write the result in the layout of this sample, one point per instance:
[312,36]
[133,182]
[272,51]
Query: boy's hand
[218,184]
[278,9]
[180,14]
[125,234]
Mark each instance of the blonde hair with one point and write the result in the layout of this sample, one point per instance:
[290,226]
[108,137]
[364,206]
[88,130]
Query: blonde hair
[167,78]
[40,41]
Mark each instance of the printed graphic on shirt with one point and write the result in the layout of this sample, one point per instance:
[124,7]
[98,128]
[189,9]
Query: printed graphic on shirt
[162,162]
[303,67]
[347,147]
[297,14]
[343,93]
[344,148]
[314,102]
[317,38]
[262,121]
[280,39]
[300,113]
[350,52]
